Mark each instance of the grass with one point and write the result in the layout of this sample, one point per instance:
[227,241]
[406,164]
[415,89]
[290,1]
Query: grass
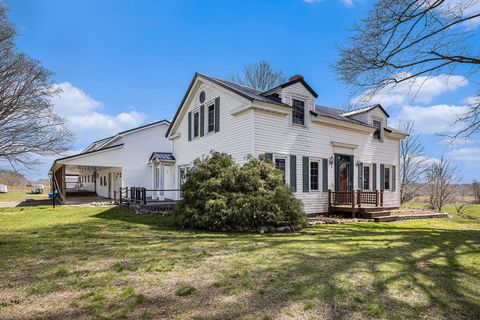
[106,263]
[17,196]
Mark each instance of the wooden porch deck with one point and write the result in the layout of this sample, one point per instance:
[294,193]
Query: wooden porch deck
[365,204]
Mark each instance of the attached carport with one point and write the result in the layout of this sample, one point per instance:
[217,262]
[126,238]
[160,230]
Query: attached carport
[102,167]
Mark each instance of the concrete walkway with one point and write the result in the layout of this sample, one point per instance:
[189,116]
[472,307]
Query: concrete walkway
[9,204]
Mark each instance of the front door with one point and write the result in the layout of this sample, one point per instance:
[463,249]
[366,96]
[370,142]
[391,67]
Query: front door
[343,173]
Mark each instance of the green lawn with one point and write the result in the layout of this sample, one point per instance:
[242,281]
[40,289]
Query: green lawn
[107,263]
[17,196]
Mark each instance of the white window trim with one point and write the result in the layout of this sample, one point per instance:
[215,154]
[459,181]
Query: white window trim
[306,110]
[196,111]
[208,104]
[390,180]
[370,177]
[287,165]
[320,172]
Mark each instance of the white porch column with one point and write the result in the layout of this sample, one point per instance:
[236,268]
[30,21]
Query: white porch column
[162,181]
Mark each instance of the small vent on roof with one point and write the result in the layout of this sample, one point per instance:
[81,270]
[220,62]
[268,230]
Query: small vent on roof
[295,77]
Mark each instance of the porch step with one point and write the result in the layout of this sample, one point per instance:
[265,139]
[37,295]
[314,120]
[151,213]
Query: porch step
[385,218]
[375,214]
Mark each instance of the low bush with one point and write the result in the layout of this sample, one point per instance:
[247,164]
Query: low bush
[221,195]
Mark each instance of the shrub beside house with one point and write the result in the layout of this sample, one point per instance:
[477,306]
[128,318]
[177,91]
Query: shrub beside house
[221,195]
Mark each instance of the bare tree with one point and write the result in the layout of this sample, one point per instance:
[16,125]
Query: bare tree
[12,178]
[441,177]
[28,123]
[412,163]
[476,191]
[260,76]
[400,40]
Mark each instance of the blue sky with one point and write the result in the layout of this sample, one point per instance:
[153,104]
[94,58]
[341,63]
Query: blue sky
[126,63]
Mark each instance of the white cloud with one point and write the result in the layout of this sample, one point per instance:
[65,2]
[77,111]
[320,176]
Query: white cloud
[419,90]
[472,100]
[468,154]
[84,116]
[463,8]
[431,120]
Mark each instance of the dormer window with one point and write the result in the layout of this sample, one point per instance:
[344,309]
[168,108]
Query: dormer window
[298,113]
[377,135]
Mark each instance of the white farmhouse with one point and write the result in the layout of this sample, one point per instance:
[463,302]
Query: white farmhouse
[318,148]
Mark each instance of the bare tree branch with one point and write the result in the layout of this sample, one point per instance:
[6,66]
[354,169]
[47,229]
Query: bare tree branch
[412,163]
[28,123]
[400,40]
[260,76]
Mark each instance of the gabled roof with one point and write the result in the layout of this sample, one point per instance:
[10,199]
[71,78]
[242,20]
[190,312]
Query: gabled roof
[165,156]
[243,91]
[336,114]
[89,152]
[101,142]
[365,109]
[289,83]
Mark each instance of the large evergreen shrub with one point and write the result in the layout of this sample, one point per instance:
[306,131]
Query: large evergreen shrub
[221,195]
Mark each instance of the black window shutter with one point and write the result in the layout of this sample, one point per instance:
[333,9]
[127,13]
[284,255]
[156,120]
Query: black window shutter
[269,156]
[382,177]
[293,172]
[374,176]
[394,179]
[202,120]
[217,114]
[325,175]
[189,126]
[305,173]
[360,176]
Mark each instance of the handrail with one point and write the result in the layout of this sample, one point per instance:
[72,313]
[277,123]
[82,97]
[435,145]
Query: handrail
[354,198]
[139,195]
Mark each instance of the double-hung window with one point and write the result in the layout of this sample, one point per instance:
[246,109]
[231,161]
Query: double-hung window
[281,164]
[314,175]
[196,124]
[387,178]
[211,118]
[298,113]
[366,177]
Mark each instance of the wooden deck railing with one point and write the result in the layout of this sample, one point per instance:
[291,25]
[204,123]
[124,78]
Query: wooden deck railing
[354,199]
[140,195]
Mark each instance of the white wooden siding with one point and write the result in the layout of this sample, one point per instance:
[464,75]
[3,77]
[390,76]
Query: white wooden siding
[236,131]
[275,134]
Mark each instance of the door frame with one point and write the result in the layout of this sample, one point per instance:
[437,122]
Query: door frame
[337,171]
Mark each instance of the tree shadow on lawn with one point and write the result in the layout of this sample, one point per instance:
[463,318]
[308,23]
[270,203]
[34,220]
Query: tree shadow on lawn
[330,271]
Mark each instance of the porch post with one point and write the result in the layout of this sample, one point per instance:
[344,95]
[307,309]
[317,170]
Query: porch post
[359,198]
[376,198]
[329,200]
[161,169]
[381,198]
[353,203]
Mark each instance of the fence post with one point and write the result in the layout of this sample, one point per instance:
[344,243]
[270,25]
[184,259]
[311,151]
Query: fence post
[381,198]
[144,196]
[359,200]
[376,198]
[114,196]
[353,203]
[120,199]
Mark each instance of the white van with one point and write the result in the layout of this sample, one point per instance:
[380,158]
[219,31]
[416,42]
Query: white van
[3,188]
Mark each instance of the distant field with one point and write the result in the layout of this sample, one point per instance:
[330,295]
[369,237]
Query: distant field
[20,196]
